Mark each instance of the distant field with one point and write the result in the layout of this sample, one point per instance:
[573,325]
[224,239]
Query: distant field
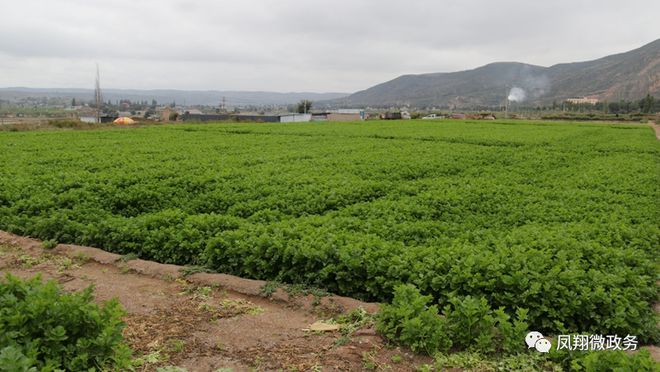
[562,219]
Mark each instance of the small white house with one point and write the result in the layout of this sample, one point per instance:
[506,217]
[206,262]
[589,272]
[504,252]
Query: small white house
[295,118]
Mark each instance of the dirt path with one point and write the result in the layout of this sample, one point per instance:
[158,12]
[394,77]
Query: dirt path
[655,127]
[204,322]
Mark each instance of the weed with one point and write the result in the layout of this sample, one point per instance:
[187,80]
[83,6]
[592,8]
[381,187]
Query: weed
[25,261]
[49,244]
[81,258]
[128,257]
[295,290]
[171,369]
[424,368]
[206,307]
[152,358]
[186,271]
[369,361]
[238,307]
[176,346]
[5,249]
[342,340]
[202,293]
[269,288]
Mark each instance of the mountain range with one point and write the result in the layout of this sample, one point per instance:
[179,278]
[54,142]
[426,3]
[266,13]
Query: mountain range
[624,76]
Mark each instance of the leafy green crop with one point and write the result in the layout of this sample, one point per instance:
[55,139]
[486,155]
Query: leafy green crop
[560,219]
[411,321]
[43,329]
[466,324]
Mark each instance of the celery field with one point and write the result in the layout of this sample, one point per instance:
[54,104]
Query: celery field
[560,218]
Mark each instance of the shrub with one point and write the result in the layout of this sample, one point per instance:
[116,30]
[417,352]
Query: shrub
[49,243]
[410,321]
[467,323]
[42,328]
[475,326]
[615,361]
[604,360]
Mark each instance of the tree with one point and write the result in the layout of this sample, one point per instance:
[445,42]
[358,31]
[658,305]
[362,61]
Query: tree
[646,105]
[304,106]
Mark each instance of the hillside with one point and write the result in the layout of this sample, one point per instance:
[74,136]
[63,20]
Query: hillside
[629,75]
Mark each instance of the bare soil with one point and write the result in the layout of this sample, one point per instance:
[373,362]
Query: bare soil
[204,322]
[655,127]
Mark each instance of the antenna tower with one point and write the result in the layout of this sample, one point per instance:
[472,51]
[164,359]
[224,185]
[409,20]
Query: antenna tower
[98,98]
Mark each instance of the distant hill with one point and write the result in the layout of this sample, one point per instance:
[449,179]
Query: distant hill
[189,97]
[629,76]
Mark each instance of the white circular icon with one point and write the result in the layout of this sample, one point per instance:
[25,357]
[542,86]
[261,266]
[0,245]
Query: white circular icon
[532,337]
[543,345]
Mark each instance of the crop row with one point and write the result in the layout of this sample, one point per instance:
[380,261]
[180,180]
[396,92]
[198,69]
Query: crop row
[558,219]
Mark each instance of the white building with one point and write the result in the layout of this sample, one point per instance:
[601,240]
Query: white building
[295,118]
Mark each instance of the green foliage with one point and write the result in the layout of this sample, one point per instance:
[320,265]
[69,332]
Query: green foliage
[559,219]
[467,323]
[471,361]
[190,270]
[304,106]
[49,244]
[128,257]
[471,323]
[13,360]
[409,320]
[43,329]
[269,288]
[617,361]
[596,361]
[171,369]
[475,326]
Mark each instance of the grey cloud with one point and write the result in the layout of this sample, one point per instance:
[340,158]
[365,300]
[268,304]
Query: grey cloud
[290,45]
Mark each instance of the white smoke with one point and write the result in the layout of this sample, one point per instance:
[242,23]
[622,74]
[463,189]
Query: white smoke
[536,86]
[517,95]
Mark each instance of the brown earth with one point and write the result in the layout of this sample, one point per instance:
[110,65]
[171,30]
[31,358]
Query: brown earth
[204,322]
[655,127]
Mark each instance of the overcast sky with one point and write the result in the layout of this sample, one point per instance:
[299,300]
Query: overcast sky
[314,45]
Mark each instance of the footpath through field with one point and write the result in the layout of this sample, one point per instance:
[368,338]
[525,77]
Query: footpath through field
[204,322]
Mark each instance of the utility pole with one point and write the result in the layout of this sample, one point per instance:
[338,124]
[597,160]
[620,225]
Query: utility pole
[97,95]
[506,103]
